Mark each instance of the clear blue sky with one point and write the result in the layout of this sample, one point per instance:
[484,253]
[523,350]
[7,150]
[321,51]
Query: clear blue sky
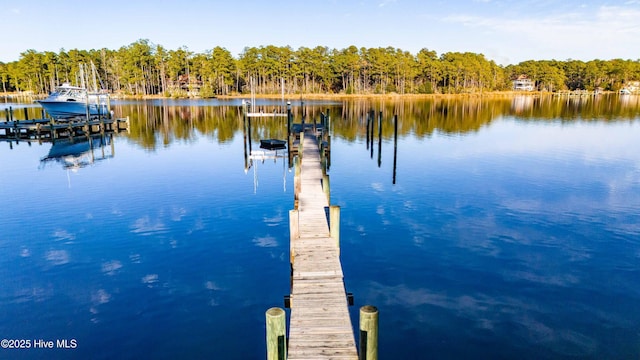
[506,31]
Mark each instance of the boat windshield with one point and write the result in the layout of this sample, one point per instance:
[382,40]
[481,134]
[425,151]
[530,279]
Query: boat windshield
[71,92]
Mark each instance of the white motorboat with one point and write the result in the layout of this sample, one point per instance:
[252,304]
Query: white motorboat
[70,101]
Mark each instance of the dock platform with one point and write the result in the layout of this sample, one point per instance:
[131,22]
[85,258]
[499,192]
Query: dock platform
[48,129]
[320,326]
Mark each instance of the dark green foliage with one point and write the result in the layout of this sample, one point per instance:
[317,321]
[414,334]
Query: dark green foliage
[143,68]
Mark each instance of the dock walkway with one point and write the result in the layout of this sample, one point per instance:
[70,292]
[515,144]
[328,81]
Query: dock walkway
[320,326]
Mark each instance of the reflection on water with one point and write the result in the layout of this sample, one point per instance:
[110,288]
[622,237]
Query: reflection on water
[154,123]
[511,231]
[77,153]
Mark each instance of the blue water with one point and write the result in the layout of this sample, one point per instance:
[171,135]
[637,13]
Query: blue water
[520,239]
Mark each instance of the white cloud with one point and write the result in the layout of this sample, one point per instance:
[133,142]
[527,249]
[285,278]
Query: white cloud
[110,267]
[57,257]
[266,241]
[385,3]
[611,31]
[144,226]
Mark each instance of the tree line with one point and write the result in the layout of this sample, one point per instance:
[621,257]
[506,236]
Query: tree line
[143,68]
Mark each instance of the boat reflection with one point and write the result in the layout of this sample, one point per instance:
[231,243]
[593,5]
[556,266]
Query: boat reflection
[74,154]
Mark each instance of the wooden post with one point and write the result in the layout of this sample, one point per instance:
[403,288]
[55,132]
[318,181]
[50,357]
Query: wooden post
[294,225]
[276,330]
[328,147]
[291,139]
[300,147]
[368,333]
[327,120]
[325,186]
[26,114]
[289,120]
[334,224]
[294,232]
[297,183]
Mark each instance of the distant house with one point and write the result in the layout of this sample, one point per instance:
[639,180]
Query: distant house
[631,87]
[523,83]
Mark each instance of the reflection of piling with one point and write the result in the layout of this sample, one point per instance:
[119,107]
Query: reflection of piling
[368,126]
[372,116]
[249,132]
[395,146]
[244,133]
[9,114]
[289,119]
[380,139]
[368,333]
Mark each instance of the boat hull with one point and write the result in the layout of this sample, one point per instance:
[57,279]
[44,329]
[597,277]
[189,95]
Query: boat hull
[273,144]
[69,109]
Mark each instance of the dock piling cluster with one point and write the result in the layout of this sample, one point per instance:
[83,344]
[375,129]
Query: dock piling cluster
[49,129]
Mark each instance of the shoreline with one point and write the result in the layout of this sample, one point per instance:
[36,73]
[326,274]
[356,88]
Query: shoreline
[316,96]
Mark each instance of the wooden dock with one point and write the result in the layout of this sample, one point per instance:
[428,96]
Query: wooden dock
[266,114]
[48,129]
[320,326]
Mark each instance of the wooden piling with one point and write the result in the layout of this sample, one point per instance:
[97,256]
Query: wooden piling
[334,224]
[326,186]
[294,231]
[328,121]
[289,120]
[276,333]
[300,144]
[297,183]
[328,149]
[368,349]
